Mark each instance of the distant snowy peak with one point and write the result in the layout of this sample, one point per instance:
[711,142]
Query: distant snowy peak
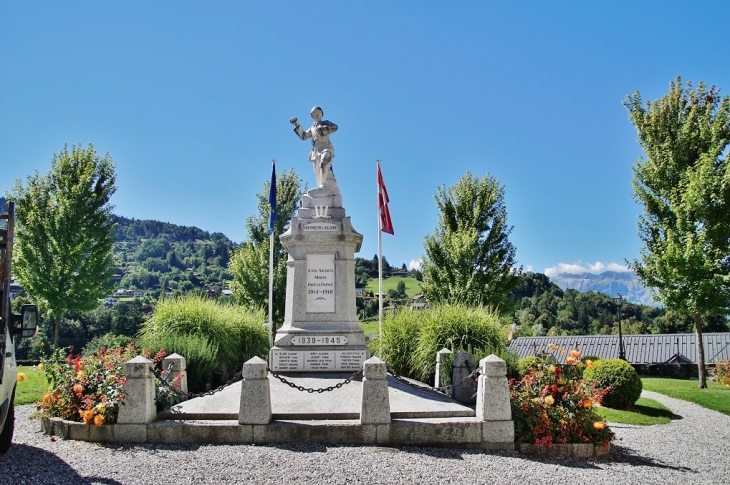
[609,282]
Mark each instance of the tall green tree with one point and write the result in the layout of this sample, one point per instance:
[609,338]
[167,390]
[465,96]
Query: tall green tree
[469,258]
[63,254]
[249,264]
[683,185]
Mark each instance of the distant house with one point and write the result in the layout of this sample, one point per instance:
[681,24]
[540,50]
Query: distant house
[226,292]
[418,302]
[639,349]
[359,289]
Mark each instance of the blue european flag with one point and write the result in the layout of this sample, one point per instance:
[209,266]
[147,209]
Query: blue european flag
[272,199]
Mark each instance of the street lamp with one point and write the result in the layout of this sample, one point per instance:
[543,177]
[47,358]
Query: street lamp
[618,300]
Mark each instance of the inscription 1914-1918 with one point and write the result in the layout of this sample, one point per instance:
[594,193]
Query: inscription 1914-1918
[320,283]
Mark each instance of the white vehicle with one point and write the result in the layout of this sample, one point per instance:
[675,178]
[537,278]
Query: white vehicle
[12,326]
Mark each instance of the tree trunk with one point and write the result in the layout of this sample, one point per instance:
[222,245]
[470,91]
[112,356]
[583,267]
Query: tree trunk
[57,332]
[700,353]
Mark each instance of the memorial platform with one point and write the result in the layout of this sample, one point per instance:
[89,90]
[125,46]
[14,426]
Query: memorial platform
[340,404]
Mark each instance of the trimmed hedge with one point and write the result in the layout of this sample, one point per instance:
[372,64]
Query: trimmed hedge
[622,379]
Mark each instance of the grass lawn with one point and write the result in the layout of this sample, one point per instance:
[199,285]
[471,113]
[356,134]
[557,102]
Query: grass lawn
[370,327]
[413,286]
[32,388]
[716,396]
[644,413]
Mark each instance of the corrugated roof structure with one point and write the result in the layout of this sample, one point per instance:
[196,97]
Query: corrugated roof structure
[639,349]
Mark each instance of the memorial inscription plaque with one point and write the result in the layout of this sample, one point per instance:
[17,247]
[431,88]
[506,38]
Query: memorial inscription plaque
[320,283]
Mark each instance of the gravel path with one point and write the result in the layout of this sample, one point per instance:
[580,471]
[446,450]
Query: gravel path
[692,449]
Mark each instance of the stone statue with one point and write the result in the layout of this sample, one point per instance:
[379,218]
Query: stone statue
[322,150]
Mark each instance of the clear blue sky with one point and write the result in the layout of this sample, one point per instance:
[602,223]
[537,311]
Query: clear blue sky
[193,100]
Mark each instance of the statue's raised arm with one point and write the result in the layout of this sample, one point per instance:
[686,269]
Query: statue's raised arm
[322,152]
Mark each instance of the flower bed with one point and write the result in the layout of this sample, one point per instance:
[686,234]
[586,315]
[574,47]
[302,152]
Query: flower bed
[552,404]
[89,390]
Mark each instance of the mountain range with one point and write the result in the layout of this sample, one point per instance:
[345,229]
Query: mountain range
[609,282]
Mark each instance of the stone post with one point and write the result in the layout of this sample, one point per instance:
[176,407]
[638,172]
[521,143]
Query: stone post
[441,356]
[463,391]
[139,403]
[255,405]
[493,404]
[375,401]
[178,367]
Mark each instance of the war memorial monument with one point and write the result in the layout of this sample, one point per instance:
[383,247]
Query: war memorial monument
[320,331]
[320,385]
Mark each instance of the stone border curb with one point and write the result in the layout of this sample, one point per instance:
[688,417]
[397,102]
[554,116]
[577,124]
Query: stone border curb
[561,451]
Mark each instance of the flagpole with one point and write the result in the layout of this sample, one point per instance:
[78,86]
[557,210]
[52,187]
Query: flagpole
[271,255]
[380,271]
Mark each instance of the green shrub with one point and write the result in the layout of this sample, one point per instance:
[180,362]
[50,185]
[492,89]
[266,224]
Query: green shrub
[526,363]
[412,338]
[201,356]
[236,331]
[622,379]
[722,372]
[109,341]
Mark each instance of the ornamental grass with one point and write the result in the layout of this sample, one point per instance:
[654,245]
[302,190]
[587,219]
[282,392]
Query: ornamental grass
[552,403]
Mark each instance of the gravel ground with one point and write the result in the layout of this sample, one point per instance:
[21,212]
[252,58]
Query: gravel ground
[691,449]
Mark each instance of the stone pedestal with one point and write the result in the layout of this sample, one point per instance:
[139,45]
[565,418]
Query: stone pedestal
[320,331]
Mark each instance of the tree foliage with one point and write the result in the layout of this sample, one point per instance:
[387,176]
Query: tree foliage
[469,258]
[249,264]
[683,185]
[63,254]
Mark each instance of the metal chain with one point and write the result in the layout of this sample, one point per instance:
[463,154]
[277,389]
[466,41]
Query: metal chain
[474,374]
[190,395]
[312,390]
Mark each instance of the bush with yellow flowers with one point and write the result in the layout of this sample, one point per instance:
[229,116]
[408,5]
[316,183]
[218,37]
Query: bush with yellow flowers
[552,403]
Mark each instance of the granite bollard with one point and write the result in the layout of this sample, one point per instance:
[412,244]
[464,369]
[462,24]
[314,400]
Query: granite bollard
[464,390]
[178,367]
[139,403]
[441,357]
[255,405]
[375,407]
[493,404]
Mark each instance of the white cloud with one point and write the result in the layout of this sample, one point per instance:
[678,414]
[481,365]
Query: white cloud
[415,264]
[580,268]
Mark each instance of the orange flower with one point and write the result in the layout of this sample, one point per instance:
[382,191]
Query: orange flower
[549,400]
[586,403]
[575,353]
[47,398]
[21,377]
[589,364]
[41,367]
[562,351]
[98,420]
[87,415]
[570,360]
[78,388]
[599,425]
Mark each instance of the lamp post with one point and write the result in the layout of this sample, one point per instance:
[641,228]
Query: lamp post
[618,300]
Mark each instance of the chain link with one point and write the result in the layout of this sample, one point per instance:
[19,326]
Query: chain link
[190,395]
[312,390]
[474,374]
[239,376]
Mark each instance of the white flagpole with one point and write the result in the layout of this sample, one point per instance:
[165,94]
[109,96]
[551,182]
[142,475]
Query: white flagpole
[271,289]
[380,268]
[271,281]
